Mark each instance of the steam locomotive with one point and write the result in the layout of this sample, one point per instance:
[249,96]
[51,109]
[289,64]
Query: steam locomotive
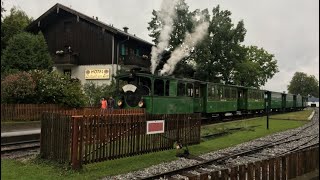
[170,95]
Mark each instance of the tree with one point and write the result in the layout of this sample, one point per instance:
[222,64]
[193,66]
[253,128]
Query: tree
[13,24]
[258,67]
[220,52]
[25,52]
[304,85]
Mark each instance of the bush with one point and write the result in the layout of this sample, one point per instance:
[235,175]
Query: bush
[94,92]
[54,87]
[18,88]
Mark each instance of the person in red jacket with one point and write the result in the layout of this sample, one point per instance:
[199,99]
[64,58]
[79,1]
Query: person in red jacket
[104,105]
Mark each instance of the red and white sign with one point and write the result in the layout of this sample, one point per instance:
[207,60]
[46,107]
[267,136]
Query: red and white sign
[155,127]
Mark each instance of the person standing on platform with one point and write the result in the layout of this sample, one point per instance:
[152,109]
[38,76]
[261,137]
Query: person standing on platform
[110,104]
[104,105]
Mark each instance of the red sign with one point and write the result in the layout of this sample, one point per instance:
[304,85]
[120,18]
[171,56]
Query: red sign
[155,127]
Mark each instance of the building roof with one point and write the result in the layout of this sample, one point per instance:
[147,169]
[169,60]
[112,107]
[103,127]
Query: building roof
[34,25]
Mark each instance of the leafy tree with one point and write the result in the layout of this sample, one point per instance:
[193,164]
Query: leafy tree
[258,67]
[13,24]
[304,85]
[218,55]
[26,51]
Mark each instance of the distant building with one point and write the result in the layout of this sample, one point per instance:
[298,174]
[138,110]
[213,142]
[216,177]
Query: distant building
[313,100]
[88,49]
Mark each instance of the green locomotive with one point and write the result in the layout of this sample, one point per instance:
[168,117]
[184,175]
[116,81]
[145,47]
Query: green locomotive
[169,95]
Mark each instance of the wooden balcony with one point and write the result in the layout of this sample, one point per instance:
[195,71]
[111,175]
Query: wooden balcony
[65,59]
[135,60]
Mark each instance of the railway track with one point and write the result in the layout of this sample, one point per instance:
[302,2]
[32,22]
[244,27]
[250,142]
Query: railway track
[199,167]
[19,146]
[268,147]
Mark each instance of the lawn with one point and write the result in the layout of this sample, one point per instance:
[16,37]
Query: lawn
[247,130]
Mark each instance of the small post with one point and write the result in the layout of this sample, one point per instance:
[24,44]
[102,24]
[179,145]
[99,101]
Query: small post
[267,108]
[75,158]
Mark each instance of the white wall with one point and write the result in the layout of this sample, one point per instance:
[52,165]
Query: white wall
[79,72]
[309,103]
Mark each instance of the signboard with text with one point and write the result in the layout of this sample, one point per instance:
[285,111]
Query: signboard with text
[97,74]
[155,126]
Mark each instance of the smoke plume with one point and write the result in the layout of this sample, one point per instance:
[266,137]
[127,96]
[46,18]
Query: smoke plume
[166,15]
[189,42]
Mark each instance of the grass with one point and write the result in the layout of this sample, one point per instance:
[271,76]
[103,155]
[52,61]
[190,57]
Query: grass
[251,129]
[300,115]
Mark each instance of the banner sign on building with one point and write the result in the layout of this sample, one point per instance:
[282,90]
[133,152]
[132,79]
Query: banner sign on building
[97,74]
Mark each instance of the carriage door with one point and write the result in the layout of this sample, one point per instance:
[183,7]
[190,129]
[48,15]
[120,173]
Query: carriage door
[242,99]
[198,105]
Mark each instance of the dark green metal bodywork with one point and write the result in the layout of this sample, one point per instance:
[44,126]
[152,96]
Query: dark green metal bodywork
[212,97]
[289,101]
[299,102]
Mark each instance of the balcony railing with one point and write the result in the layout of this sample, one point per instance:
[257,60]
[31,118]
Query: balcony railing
[70,59]
[135,60]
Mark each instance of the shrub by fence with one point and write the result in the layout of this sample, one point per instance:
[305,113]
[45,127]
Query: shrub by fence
[95,138]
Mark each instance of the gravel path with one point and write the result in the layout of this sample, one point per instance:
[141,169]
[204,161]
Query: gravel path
[265,154]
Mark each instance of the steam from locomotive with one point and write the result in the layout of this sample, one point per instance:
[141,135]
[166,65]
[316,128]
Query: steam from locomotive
[184,50]
[167,15]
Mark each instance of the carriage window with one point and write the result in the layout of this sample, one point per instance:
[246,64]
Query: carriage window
[233,93]
[190,90]
[145,85]
[181,89]
[220,93]
[210,91]
[197,91]
[158,87]
[167,88]
[227,92]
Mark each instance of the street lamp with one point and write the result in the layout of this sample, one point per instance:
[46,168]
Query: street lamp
[267,108]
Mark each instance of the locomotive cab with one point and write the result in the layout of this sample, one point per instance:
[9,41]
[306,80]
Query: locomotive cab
[158,94]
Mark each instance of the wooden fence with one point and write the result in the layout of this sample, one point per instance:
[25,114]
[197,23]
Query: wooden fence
[33,112]
[285,167]
[97,138]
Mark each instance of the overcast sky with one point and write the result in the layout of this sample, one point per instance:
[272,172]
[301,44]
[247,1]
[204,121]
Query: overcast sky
[289,29]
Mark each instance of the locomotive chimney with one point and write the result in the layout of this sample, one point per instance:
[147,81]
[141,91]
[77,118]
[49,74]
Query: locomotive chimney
[125,29]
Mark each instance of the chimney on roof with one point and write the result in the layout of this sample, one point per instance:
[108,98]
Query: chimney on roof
[125,29]
[96,18]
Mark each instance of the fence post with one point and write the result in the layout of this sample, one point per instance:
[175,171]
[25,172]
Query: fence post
[75,157]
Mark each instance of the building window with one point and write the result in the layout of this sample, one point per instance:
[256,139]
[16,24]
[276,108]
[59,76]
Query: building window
[123,50]
[67,26]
